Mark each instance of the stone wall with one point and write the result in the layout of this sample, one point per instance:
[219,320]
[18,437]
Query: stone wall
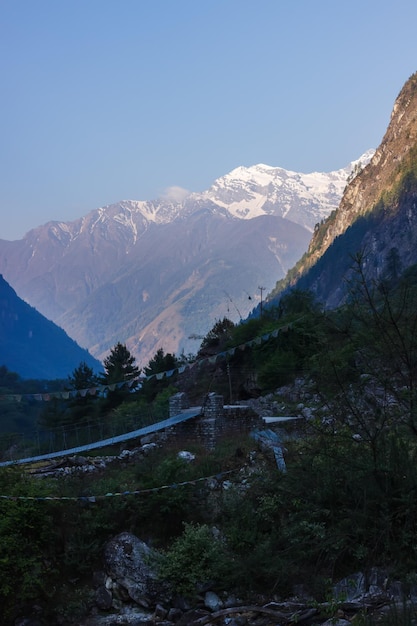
[216,420]
[177,403]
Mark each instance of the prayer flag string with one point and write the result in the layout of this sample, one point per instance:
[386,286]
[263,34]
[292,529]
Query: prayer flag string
[100,389]
[118,494]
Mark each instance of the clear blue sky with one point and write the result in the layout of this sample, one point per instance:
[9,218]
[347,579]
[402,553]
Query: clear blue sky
[104,100]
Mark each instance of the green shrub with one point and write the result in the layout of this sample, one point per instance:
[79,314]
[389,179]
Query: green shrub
[27,565]
[196,557]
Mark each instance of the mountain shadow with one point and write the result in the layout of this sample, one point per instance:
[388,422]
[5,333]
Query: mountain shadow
[33,346]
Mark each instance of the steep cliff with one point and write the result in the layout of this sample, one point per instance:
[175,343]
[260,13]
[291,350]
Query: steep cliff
[377,215]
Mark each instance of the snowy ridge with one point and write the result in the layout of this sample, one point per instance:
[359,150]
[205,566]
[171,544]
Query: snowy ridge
[244,193]
[248,192]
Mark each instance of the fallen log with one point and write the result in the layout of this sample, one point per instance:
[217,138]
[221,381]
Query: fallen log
[284,618]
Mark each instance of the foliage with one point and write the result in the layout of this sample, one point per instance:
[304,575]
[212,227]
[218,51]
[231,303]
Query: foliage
[132,414]
[348,500]
[160,405]
[19,414]
[299,339]
[369,357]
[119,367]
[216,338]
[26,546]
[297,302]
[251,520]
[251,329]
[195,557]
[53,414]
[82,377]
[83,407]
[161,362]
[154,385]
[396,615]
[9,381]
[168,508]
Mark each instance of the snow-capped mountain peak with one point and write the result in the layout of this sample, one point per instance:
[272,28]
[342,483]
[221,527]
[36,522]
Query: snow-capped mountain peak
[248,192]
[244,193]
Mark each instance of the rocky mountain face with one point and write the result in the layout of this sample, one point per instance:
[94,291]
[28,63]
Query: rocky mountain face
[31,345]
[160,273]
[377,215]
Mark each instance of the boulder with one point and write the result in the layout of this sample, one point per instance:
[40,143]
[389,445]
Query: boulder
[131,564]
[212,601]
[186,456]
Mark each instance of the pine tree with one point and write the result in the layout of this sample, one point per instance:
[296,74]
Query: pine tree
[82,377]
[120,365]
[82,407]
[160,362]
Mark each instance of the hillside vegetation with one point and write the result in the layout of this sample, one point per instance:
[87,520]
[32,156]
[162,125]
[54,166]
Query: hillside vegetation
[347,502]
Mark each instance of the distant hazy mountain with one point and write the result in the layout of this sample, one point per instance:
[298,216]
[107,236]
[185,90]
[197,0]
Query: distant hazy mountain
[155,274]
[377,216]
[31,345]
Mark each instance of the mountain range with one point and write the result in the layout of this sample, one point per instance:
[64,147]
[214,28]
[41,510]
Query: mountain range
[159,274]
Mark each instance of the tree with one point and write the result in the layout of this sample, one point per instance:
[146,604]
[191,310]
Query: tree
[367,371]
[83,379]
[216,338]
[15,416]
[159,363]
[9,381]
[119,367]
[299,339]
[297,302]
[385,325]
[393,266]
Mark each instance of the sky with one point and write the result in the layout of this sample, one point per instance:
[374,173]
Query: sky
[109,100]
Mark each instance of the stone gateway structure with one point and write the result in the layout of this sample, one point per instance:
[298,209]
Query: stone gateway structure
[214,420]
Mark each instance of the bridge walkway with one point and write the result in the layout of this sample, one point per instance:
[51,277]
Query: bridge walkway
[185,415]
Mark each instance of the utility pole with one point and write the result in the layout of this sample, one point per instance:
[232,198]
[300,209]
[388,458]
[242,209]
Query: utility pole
[230,381]
[261,289]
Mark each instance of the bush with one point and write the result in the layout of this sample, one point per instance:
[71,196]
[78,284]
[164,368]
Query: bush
[196,557]
[26,555]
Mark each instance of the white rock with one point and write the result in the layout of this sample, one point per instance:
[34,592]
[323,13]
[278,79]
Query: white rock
[212,601]
[186,456]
